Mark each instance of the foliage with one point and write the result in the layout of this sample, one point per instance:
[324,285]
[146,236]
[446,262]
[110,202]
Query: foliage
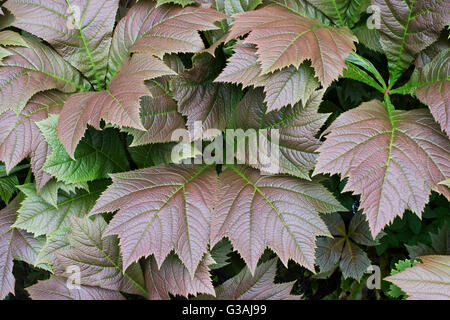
[95,96]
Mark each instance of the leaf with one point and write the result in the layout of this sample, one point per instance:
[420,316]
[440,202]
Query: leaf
[20,137]
[57,240]
[80,31]
[160,29]
[289,86]
[328,253]
[14,244]
[383,157]
[342,12]
[30,70]
[343,250]
[98,154]
[282,37]
[243,67]
[39,217]
[159,115]
[98,258]
[161,208]
[445,182]
[208,103]
[8,188]
[280,212]
[282,87]
[296,127]
[407,28]
[354,261]
[235,6]
[368,37]
[429,280]
[173,277]
[359,231]
[50,191]
[440,244]
[119,104]
[11,38]
[260,286]
[401,265]
[220,254]
[431,84]
[56,288]
[303,8]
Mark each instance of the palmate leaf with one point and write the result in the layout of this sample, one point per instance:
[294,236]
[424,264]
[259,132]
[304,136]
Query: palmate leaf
[162,29]
[56,288]
[83,26]
[282,37]
[98,258]
[201,100]
[173,277]
[297,127]
[119,104]
[161,208]
[39,217]
[383,154]
[259,286]
[32,69]
[99,153]
[20,137]
[282,87]
[429,280]
[280,212]
[14,244]
[343,250]
[431,84]
[408,27]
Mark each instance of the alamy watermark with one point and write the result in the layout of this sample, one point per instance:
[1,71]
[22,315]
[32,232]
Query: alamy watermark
[258,148]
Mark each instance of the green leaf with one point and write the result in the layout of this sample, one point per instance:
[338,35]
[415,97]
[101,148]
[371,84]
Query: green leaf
[8,187]
[220,254]
[56,240]
[236,6]
[342,12]
[98,153]
[431,85]
[407,27]
[39,217]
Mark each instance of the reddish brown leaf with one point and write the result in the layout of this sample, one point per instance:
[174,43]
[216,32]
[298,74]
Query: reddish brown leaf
[260,286]
[429,280]
[56,288]
[280,212]
[118,105]
[392,161]
[161,208]
[20,137]
[284,38]
[173,277]
[14,244]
